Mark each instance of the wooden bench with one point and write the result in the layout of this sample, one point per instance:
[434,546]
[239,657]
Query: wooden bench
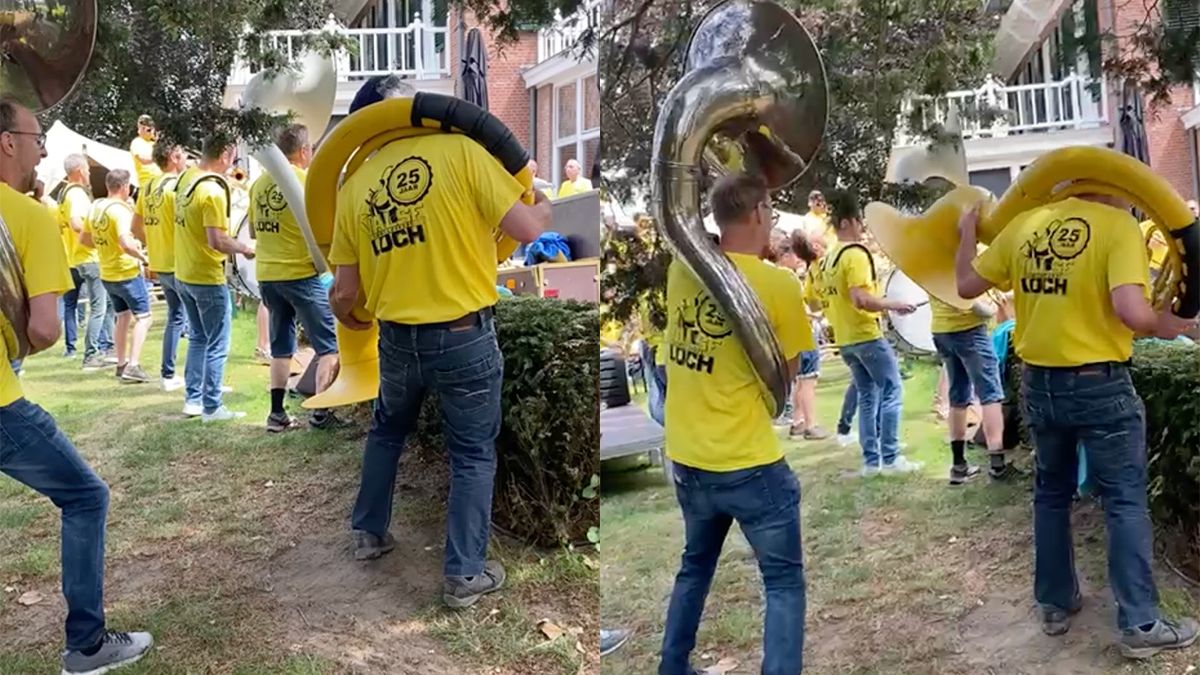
[627,430]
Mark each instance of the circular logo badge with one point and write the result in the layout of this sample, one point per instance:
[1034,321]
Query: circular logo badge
[409,181]
[275,200]
[1069,238]
[711,320]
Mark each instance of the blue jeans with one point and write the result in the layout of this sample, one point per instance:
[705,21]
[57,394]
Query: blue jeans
[849,407]
[656,384]
[971,366]
[105,339]
[1095,405]
[465,368]
[877,379]
[176,322]
[210,318]
[35,452]
[303,299]
[89,275]
[765,502]
[69,312]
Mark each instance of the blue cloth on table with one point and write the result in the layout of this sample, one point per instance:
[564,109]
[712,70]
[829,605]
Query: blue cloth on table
[546,248]
[504,292]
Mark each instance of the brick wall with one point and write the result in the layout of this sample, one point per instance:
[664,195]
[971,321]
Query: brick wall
[545,130]
[508,98]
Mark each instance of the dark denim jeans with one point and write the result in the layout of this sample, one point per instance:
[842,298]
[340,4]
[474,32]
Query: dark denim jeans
[34,452]
[69,312]
[656,385]
[849,407]
[176,323]
[465,368]
[877,380]
[210,318]
[765,502]
[1095,405]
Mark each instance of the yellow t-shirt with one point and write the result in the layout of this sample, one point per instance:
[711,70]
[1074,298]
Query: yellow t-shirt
[569,188]
[35,236]
[76,202]
[145,172]
[726,426]
[108,222]
[156,206]
[196,210]
[419,219]
[281,254]
[1063,260]
[844,267]
[1155,245]
[950,319]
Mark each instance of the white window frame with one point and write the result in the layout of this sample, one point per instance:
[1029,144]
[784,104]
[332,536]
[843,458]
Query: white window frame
[580,137]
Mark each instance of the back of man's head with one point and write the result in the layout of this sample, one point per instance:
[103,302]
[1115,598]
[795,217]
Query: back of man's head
[843,208]
[162,152]
[215,145]
[380,88]
[734,198]
[116,180]
[292,139]
[75,163]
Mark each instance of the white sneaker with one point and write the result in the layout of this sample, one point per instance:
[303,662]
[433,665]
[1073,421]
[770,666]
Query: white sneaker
[847,439]
[222,414]
[172,383]
[225,389]
[902,465]
[870,470]
[193,409]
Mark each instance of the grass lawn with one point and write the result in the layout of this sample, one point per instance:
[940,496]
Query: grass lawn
[232,546]
[905,574]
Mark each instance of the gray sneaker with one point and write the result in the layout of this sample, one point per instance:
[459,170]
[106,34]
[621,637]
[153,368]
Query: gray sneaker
[611,640]
[1139,644]
[93,362]
[134,373]
[116,650]
[961,473]
[369,547]
[462,592]
[1057,621]
[277,422]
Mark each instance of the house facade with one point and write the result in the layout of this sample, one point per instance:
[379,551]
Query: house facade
[541,87]
[1047,77]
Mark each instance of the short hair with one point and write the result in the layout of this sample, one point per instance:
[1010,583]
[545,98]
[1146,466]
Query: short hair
[215,145]
[735,196]
[116,179]
[75,163]
[292,139]
[816,193]
[843,205]
[162,151]
[8,113]
[146,121]
[802,246]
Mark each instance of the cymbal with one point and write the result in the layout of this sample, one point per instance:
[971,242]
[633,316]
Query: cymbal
[45,48]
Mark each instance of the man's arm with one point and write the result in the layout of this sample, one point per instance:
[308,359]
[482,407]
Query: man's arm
[526,223]
[44,325]
[970,283]
[219,240]
[85,238]
[343,295]
[869,302]
[131,246]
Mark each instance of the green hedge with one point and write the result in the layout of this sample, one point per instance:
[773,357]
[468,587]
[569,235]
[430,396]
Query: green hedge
[1167,376]
[547,452]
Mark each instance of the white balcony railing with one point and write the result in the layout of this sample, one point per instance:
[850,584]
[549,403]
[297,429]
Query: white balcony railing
[1070,103]
[418,51]
[565,32]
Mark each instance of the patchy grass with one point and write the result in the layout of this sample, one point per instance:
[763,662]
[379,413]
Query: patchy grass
[231,545]
[905,574]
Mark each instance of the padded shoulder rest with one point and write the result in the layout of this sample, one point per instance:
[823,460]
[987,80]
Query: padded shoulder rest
[454,114]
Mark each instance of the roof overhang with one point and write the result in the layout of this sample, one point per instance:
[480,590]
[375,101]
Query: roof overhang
[562,68]
[1191,118]
[1021,28]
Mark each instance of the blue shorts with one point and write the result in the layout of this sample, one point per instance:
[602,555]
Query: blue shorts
[810,365]
[129,296]
[304,299]
[970,361]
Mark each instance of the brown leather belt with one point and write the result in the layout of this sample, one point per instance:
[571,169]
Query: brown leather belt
[466,321]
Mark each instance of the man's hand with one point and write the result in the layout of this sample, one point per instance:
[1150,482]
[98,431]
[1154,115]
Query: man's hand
[902,308]
[345,311]
[1170,326]
[539,197]
[250,248]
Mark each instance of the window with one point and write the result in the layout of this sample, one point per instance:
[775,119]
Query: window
[576,126]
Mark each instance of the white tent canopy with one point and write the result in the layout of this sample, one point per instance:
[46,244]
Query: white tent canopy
[61,142]
[788,222]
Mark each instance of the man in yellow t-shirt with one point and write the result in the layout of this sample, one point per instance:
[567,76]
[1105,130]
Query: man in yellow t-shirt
[74,204]
[202,240]
[1079,272]
[848,287]
[142,150]
[575,183]
[415,233]
[33,450]
[154,216]
[964,344]
[816,222]
[288,281]
[728,462]
[109,229]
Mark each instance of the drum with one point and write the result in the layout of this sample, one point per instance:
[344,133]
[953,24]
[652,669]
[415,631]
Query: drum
[913,333]
[238,269]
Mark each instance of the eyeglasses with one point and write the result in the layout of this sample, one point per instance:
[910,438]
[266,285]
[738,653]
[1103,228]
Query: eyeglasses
[40,136]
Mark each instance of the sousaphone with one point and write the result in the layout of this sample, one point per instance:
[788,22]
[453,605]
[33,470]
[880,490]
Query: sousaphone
[753,99]
[44,52]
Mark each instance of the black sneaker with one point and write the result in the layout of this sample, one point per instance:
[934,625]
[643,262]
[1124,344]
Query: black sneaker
[1057,621]
[116,650]
[1142,644]
[961,473]
[369,547]
[277,422]
[121,370]
[134,373]
[1005,473]
[324,419]
[462,592]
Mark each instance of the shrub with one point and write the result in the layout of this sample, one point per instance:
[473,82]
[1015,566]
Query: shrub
[548,449]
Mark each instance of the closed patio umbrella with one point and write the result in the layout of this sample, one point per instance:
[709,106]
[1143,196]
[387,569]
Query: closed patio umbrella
[474,73]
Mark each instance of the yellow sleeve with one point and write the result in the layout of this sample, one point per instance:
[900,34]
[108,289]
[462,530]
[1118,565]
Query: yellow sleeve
[789,316]
[87,221]
[856,269]
[344,249]
[495,190]
[212,209]
[992,264]
[45,259]
[77,206]
[124,221]
[1124,266]
[252,212]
